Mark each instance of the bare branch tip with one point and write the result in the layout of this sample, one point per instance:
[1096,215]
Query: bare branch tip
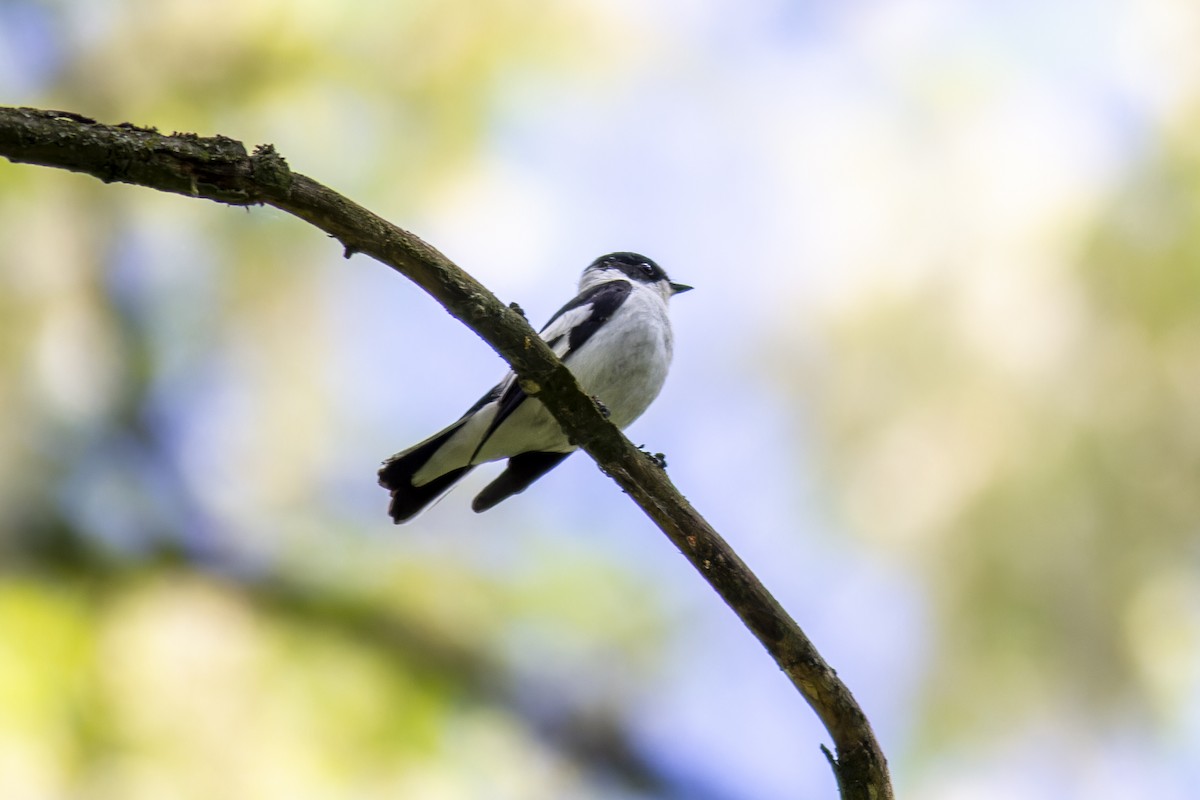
[833,764]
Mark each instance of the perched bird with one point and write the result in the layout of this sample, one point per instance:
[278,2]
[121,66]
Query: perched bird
[614,336]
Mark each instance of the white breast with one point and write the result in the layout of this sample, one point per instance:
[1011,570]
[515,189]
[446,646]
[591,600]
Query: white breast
[624,364]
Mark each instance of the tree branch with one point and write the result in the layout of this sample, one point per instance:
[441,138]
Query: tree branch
[219,169]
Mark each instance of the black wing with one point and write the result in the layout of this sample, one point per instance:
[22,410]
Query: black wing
[604,300]
[521,471]
[591,310]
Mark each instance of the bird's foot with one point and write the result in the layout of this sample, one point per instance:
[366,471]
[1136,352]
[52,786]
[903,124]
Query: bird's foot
[600,405]
[658,459]
[517,308]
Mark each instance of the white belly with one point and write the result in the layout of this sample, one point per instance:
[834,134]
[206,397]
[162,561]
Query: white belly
[624,364]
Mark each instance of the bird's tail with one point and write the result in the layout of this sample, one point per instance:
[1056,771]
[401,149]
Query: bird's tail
[396,475]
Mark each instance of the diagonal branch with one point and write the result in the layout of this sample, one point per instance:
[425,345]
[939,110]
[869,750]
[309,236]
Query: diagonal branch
[219,169]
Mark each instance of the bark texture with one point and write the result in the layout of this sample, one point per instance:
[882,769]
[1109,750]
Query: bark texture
[221,169]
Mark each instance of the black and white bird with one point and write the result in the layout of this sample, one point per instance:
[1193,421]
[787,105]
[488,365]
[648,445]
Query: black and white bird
[615,337]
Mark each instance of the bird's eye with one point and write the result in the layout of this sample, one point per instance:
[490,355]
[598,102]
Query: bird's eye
[647,269]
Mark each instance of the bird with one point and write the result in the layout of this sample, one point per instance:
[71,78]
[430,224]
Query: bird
[615,337]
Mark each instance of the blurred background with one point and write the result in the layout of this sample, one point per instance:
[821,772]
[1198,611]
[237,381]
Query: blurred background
[938,384]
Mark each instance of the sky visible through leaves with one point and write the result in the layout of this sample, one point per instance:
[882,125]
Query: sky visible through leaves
[936,384]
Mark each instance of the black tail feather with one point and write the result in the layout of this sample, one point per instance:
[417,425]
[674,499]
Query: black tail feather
[397,472]
[409,500]
[521,471]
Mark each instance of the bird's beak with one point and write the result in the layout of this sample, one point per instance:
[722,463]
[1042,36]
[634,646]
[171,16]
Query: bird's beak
[680,288]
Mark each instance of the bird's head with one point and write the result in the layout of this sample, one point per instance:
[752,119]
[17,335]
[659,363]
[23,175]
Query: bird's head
[633,267]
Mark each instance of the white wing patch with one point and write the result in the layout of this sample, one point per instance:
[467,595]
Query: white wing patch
[561,328]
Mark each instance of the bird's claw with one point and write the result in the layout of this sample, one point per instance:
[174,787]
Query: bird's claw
[658,459]
[600,405]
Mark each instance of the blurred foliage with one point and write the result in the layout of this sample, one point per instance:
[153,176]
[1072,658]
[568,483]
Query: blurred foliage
[166,380]
[190,605]
[162,681]
[143,336]
[1041,476]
